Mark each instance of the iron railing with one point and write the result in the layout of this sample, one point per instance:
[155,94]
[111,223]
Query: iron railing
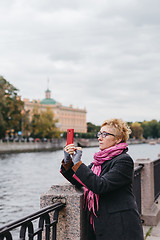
[45,225]
[156,179]
[137,185]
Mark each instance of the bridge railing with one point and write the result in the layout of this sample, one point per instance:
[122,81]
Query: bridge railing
[137,185]
[156,179]
[150,190]
[46,225]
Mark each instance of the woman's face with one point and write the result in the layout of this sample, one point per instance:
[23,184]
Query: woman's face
[109,140]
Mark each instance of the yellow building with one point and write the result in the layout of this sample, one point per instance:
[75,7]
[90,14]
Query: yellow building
[68,117]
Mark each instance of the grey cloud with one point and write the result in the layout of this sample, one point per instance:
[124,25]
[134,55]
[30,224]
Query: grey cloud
[52,5]
[67,55]
[101,55]
[137,13]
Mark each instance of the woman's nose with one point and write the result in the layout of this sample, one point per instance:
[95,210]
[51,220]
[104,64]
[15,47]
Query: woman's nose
[100,137]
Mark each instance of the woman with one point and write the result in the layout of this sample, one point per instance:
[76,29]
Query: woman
[107,182]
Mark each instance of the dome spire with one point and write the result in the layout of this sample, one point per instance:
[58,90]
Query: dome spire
[48,84]
[48,92]
[48,100]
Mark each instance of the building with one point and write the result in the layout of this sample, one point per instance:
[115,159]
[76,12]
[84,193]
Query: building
[68,117]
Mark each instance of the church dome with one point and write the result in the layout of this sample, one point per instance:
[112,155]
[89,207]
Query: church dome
[48,100]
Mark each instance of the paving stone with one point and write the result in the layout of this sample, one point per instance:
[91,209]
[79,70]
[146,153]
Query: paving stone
[153,238]
[156,232]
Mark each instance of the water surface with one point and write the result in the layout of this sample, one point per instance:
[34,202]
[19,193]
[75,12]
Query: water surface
[25,176]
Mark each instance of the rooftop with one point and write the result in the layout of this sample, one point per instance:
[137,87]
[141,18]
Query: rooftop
[49,101]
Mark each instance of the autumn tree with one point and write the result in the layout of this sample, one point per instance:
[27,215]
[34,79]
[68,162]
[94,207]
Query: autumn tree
[44,124]
[26,123]
[35,123]
[137,130]
[10,108]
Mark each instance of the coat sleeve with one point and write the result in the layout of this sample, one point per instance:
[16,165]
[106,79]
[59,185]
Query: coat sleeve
[68,174]
[120,174]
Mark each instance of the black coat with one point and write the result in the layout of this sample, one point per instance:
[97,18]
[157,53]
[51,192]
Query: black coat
[117,216]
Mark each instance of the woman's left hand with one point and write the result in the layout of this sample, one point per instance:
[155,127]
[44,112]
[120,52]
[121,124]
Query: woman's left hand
[77,156]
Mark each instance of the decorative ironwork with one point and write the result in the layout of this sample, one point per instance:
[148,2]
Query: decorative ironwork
[137,185]
[156,179]
[26,224]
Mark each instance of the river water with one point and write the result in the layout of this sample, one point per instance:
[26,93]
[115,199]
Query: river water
[25,176]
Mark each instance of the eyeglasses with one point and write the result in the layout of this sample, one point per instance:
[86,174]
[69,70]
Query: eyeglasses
[104,134]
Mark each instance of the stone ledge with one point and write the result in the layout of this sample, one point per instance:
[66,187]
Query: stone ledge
[72,218]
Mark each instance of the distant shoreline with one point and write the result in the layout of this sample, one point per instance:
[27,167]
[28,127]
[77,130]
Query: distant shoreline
[57,144]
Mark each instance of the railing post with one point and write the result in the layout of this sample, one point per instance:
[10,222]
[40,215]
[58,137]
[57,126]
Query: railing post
[150,211]
[72,218]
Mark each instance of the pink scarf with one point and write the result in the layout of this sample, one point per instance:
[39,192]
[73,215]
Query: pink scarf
[99,158]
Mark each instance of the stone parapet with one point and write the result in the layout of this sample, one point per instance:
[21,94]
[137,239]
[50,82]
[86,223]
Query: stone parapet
[150,210]
[72,218]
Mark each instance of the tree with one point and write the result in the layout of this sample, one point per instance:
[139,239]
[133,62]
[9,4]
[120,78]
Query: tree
[26,124]
[2,125]
[147,131]
[137,130]
[151,129]
[10,108]
[35,123]
[159,129]
[154,128]
[44,124]
[91,128]
[2,107]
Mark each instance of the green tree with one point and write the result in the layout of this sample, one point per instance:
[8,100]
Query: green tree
[10,108]
[151,129]
[91,128]
[159,129]
[154,128]
[147,131]
[2,125]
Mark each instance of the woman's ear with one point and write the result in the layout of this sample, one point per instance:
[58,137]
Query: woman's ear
[118,140]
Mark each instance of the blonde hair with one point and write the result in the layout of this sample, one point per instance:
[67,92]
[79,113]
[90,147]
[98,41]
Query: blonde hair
[121,128]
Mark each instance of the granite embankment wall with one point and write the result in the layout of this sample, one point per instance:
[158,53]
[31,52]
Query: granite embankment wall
[12,147]
[55,144]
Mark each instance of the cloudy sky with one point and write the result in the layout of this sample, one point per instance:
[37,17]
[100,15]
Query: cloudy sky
[102,55]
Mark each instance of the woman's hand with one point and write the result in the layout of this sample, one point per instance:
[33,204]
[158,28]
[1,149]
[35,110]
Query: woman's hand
[77,156]
[67,157]
[75,152]
[68,151]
